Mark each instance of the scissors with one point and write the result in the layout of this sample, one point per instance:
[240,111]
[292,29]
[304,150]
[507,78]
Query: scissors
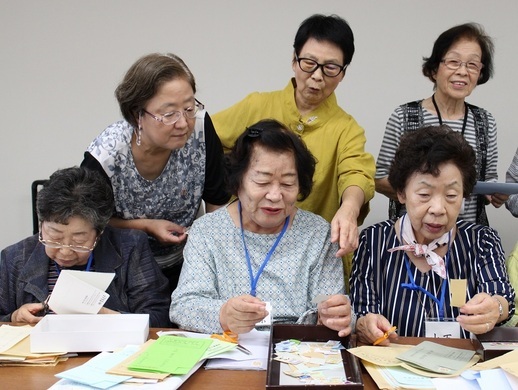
[231,337]
[385,335]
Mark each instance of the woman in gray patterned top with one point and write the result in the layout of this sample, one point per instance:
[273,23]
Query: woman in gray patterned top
[162,159]
[512,177]
[262,248]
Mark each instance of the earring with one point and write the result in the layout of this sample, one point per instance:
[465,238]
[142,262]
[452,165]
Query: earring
[138,133]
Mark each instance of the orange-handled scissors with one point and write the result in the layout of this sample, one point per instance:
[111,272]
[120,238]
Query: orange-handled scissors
[231,337]
[385,335]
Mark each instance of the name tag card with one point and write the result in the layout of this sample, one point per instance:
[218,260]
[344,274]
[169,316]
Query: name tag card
[446,328]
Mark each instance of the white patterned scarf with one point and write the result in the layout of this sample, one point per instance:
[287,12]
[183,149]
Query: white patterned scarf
[432,258]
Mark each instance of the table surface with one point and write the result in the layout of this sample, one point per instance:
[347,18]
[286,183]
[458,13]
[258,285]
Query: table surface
[36,378]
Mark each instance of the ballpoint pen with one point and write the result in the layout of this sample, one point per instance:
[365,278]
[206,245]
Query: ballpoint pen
[385,335]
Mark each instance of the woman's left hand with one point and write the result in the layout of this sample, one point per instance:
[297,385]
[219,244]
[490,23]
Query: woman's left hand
[480,314]
[335,313]
[497,200]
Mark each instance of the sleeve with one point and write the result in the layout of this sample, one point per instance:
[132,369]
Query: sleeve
[492,276]
[214,191]
[90,162]
[512,271]
[195,303]
[7,302]
[364,296]
[231,122]
[391,137]
[147,287]
[327,275]
[492,150]
[511,176]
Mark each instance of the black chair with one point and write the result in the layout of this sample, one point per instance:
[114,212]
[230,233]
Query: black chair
[35,187]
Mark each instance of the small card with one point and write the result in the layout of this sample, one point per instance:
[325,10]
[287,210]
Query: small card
[458,291]
[266,321]
[447,328]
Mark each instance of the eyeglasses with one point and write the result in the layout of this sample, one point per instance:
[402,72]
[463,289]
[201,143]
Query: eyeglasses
[329,69]
[471,66]
[170,118]
[75,248]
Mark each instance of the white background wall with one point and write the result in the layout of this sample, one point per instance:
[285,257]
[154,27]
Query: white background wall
[62,59]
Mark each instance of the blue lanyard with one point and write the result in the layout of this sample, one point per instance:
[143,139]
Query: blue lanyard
[88,265]
[254,279]
[414,287]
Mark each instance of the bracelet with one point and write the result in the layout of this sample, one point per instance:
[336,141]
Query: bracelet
[500,308]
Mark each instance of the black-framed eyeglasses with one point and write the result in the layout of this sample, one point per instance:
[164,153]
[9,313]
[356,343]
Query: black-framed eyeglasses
[471,66]
[170,118]
[75,248]
[329,69]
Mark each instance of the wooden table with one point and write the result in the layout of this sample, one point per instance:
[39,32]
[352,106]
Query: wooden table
[41,378]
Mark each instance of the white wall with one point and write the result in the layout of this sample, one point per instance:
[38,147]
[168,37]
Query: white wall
[62,59]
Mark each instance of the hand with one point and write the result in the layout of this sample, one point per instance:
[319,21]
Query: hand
[371,327]
[240,314]
[335,313]
[480,314]
[27,313]
[105,310]
[165,231]
[497,200]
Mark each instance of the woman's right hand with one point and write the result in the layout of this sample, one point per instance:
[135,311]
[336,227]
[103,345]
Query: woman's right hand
[371,327]
[165,231]
[27,313]
[240,314]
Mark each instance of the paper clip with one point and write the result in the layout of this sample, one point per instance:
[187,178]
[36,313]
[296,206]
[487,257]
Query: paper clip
[385,335]
[231,337]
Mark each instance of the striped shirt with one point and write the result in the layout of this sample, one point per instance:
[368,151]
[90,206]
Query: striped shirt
[395,129]
[476,255]
[512,177]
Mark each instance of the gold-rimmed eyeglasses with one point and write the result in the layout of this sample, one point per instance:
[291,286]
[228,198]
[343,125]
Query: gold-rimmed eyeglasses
[75,248]
[170,118]
[471,66]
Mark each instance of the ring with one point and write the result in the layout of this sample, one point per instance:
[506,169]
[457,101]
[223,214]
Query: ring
[487,326]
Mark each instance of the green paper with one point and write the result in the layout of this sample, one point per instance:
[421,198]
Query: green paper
[172,355]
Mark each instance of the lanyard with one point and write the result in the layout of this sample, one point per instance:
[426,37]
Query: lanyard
[254,279]
[414,287]
[88,265]
[464,122]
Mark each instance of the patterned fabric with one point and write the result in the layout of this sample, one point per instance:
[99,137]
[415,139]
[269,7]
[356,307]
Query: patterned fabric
[476,255]
[215,270]
[333,137]
[396,126]
[511,176]
[138,286]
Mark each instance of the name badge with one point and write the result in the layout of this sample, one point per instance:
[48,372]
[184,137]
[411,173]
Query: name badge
[447,328]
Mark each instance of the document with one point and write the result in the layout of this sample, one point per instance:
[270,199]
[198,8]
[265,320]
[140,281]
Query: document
[171,354]
[78,292]
[12,335]
[437,358]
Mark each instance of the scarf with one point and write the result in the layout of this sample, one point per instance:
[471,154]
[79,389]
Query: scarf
[432,258]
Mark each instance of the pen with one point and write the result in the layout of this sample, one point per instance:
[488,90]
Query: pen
[385,335]
[243,349]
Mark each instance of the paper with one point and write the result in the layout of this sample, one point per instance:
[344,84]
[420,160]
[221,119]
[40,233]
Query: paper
[256,342]
[458,289]
[437,358]
[78,292]
[171,354]
[488,188]
[12,335]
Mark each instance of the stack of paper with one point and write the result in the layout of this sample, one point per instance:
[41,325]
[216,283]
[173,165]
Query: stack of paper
[15,349]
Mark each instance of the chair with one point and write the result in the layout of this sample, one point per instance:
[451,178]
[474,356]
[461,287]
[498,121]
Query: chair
[35,187]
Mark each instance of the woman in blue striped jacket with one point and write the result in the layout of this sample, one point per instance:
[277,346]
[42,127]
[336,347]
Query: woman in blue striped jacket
[405,270]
